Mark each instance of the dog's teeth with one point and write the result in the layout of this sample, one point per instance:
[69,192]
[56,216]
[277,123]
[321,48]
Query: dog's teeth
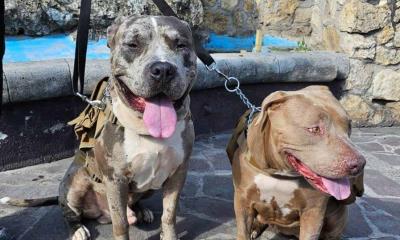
[4,200]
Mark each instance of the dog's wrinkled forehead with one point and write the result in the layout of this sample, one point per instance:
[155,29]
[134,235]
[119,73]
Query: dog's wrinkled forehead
[144,29]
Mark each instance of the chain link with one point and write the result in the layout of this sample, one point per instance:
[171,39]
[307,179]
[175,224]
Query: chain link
[235,82]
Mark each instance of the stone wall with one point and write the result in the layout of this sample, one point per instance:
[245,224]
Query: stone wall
[42,17]
[367,30]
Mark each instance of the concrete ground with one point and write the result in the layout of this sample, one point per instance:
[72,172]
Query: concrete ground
[206,207]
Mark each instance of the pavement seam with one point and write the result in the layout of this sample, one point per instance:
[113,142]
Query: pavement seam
[34,224]
[376,232]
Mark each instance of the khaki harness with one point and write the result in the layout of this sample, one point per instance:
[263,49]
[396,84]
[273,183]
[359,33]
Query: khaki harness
[88,127]
[89,124]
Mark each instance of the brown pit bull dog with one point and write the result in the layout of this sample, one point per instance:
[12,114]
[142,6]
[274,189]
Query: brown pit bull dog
[295,168]
[145,141]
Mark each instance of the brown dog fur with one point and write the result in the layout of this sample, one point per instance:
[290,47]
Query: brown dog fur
[268,191]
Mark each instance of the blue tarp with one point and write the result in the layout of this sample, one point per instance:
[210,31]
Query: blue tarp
[222,43]
[25,49]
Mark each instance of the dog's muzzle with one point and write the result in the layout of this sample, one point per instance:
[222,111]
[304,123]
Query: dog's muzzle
[162,71]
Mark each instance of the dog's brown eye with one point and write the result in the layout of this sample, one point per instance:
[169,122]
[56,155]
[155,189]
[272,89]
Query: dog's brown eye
[315,130]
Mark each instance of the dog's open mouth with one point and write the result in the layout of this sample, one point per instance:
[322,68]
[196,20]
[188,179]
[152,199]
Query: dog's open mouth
[338,188]
[159,113]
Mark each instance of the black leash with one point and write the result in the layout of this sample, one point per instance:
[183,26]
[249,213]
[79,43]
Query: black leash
[78,79]
[2,49]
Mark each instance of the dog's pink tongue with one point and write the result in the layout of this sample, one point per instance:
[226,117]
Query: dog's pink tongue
[338,188]
[160,117]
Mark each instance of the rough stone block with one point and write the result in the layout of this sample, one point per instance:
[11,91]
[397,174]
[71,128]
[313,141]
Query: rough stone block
[360,77]
[356,107]
[387,56]
[385,35]
[363,17]
[229,4]
[386,85]
[358,46]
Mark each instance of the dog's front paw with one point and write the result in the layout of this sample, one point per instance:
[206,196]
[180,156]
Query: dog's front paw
[168,237]
[168,234]
[81,233]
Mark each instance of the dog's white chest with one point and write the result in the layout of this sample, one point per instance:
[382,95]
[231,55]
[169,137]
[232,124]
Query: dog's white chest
[151,160]
[279,190]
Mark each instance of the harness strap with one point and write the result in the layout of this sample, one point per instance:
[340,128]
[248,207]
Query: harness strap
[82,159]
[78,77]
[2,48]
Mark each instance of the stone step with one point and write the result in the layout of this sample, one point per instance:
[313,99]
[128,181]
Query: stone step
[28,81]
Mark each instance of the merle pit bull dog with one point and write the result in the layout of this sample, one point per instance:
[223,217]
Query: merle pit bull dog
[153,66]
[295,169]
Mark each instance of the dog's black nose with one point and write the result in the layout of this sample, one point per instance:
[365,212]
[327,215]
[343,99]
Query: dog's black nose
[162,71]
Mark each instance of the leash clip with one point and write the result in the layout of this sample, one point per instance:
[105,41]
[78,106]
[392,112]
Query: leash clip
[94,103]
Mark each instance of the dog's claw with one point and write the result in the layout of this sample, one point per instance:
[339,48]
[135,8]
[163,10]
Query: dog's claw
[81,234]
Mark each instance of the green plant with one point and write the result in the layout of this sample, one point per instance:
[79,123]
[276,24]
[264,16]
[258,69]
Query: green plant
[302,46]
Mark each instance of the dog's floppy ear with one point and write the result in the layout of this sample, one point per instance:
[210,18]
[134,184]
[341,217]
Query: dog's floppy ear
[258,130]
[272,99]
[113,29]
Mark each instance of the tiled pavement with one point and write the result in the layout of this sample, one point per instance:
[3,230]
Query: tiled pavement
[206,209]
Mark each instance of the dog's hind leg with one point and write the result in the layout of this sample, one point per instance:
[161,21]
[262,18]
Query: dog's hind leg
[73,189]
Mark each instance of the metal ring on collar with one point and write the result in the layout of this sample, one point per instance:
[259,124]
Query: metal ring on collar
[231,79]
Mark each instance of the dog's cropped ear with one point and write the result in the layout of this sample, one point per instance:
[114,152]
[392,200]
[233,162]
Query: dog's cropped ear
[112,30]
[187,25]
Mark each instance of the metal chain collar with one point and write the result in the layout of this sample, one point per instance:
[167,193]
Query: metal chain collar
[235,82]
